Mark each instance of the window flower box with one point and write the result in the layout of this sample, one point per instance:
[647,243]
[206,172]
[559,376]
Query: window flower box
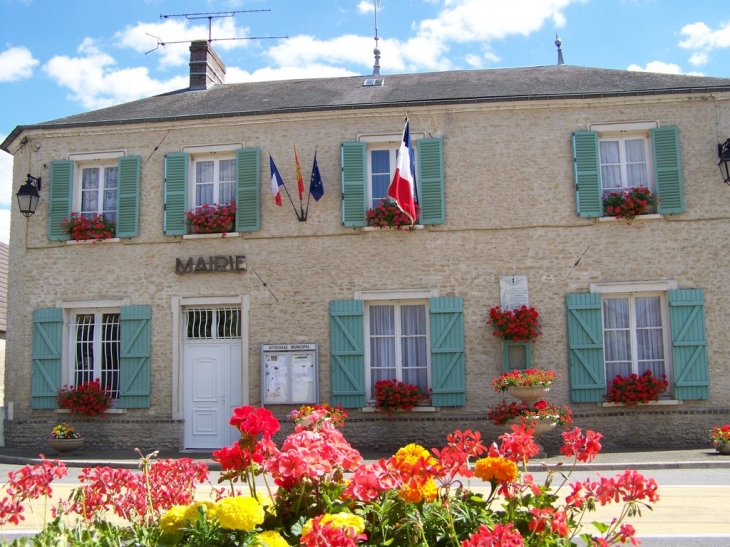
[635,389]
[388,215]
[629,203]
[519,325]
[212,219]
[82,227]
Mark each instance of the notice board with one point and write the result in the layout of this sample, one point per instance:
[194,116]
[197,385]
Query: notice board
[289,374]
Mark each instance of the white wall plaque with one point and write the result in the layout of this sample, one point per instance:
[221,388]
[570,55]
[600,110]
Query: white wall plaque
[513,291]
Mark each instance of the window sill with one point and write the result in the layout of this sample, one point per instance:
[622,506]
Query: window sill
[663,402]
[372,409]
[93,241]
[107,411]
[211,236]
[640,217]
[400,229]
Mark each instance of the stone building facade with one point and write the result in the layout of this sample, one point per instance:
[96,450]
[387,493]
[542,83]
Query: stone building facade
[511,199]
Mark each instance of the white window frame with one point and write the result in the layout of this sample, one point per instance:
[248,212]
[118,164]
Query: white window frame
[386,297]
[215,153]
[97,160]
[70,309]
[384,142]
[623,132]
[639,289]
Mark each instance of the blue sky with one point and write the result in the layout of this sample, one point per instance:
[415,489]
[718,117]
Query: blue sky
[59,58]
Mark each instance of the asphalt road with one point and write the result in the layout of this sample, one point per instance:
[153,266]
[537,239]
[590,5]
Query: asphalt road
[692,511]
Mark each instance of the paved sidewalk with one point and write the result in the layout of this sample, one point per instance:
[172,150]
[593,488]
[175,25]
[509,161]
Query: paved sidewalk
[705,458]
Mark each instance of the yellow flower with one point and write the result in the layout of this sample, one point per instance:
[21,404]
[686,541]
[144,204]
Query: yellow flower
[498,469]
[415,492]
[192,514]
[409,456]
[239,513]
[343,521]
[272,539]
[174,519]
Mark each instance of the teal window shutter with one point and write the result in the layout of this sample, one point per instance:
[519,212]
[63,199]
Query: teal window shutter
[689,345]
[587,171]
[134,357]
[353,184]
[248,190]
[176,194]
[347,356]
[448,379]
[585,348]
[128,197]
[668,169]
[46,353]
[59,198]
[430,180]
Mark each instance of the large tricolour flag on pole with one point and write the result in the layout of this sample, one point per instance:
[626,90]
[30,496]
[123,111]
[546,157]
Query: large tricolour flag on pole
[402,187]
[276,181]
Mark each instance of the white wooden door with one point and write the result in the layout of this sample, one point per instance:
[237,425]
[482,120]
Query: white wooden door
[211,387]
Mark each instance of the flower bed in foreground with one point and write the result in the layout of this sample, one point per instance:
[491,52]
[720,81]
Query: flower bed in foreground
[416,498]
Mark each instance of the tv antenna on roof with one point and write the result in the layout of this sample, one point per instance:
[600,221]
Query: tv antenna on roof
[210,16]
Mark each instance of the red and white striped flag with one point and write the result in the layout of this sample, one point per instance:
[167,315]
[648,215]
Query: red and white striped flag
[402,187]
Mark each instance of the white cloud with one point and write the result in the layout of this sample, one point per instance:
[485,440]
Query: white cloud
[95,84]
[702,39]
[460,21]
[143,38]
[366,6]
[657,66]
[17,63]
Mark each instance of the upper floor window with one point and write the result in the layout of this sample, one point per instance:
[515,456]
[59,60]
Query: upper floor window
[382,160]
[97,191]
[213,180]
[625,162]
[622,156]
[95,183]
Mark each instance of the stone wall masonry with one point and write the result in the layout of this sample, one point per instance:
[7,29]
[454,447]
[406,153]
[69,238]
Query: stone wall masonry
[510,209]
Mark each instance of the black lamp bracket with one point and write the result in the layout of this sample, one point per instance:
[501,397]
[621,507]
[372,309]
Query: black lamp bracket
[33,181]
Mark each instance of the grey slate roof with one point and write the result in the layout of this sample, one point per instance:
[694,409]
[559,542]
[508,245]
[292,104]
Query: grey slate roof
[399,90]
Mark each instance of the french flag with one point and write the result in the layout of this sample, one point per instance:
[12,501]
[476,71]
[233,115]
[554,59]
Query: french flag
[276,181]
[402,188]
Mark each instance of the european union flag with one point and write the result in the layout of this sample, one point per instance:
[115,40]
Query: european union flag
[316,189]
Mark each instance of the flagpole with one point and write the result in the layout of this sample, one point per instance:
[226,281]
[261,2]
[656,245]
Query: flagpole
[287,192]
[309,195]
[300,186]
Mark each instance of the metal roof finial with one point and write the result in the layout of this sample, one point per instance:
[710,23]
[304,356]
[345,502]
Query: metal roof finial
[558,43]
[376,51]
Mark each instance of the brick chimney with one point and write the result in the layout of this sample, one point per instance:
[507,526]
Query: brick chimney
[206,68]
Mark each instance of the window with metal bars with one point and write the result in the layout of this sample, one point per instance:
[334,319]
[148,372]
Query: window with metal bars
[213,323]
[96,345]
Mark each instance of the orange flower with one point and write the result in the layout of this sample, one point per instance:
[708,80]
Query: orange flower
[495,469]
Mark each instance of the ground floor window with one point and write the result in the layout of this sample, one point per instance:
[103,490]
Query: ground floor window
[397,343]
[213,323]
[95,348]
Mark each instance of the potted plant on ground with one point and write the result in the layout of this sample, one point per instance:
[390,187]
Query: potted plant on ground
[391,395]
[634,389]
[519,325]
[720,437]
[212,219]
[628,203]
[388,215]
[88,399]
[65,438]
[81,227]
